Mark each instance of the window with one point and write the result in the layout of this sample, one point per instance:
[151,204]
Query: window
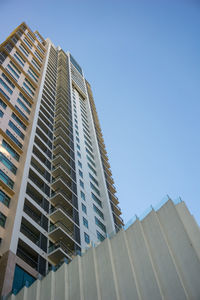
[13,138]
[38,56]
[89,153]
[80,173]
[77,145]
[18,72]
[23,106]
[32,74]
[95,181]
[10,150]
[76,126]
[2,220]
[81,183]
[16,130]
[6,179]
[28,90]
[3,104]
[27,43]
[25,100]
[35,64]
[79,154]
[6,96]
[16,75]
[23,49]
[1,113]
[85,222]
[91,161]
[18,121]
[40,49]
[4,198]
[30,37]
[19,58]
[100,236]
[84,209]
[96,200]
[89,147]
[87,238]
[100,224]
[82,195]
[92,169]
[76,132]
[98,211]
[77,139]
[7,163]
[79,164]
[8,80]
[28,82]
[94,188]
[6,87]
[21,112]
[87,139]
[76,120]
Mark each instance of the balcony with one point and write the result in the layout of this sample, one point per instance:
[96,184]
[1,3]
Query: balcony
[58,251]
[118,220]
[60,132]
[27,254]
[64,172]
[116,209]
[65,152]
[109,178]
[64,143]
[62,105]
[64,126]
[111,188]
[59,232]
[107,170]
[61,116]
[30,232]
[63,199]
[113,198]
[32,212]
[66,163]
[62,183]
[64,215]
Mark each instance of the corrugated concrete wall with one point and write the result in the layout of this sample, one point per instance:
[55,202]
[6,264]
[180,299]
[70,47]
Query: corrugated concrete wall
[156,258]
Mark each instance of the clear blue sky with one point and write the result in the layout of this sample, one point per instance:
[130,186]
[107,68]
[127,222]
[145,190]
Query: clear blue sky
[142,59]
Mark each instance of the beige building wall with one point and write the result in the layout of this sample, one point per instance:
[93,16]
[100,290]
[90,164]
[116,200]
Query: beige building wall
[155,258]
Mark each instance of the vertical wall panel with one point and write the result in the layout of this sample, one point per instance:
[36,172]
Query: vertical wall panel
[106,280]
[89,277]
[141,260]
[127,286]
[162,260]
[182,249]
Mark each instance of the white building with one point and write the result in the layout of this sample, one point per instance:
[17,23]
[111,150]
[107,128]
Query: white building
[57,192]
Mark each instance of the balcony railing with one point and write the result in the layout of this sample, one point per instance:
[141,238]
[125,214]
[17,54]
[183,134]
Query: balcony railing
[66,249]
[63,209]
[32,214]
[27,258]
[62,226]
[29,234]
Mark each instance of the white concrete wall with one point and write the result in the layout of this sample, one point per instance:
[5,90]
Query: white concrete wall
[156,258]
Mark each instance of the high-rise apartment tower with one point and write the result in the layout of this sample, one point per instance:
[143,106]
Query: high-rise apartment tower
[56,188]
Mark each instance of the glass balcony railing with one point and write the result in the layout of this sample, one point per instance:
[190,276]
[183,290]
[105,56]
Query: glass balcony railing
[62,226]
[60,245]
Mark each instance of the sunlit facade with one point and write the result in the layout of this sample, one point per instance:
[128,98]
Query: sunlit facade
[57,194]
